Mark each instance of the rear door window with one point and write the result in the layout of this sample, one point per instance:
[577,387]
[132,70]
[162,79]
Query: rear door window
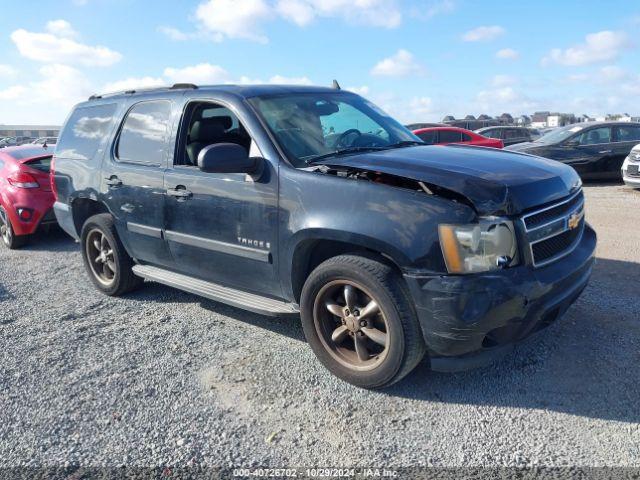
[512,133]
[85,131]
[450,136]
[627,134]
[466,138]
[595,136]
[491,133]
[145,133]
[428,137]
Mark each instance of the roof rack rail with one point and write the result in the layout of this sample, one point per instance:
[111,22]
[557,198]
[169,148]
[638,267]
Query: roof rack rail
[95,96]
[182,86]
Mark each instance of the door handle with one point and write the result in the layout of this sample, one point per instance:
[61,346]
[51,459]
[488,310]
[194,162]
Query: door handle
[179,192]
[113,181]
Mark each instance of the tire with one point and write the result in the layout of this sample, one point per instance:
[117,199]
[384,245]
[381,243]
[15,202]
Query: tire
[9,238]
[381,360]
[108,264]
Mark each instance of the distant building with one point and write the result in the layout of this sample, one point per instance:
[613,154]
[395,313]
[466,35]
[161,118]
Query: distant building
[448,118]
[484,116]
[506,119]
[29,131]
[584,118]
[539,119]
[469,117]
[620,117]
[560,119]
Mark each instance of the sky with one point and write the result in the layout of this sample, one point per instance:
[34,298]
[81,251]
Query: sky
[418,59]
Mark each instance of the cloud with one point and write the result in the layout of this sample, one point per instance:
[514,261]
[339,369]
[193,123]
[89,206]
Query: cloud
[437,8]
[222,19]
[377,13]
[401,64]
[233,18]
[362,90]
[279,79]
[47,98]
[200,74]
[7,71]
[502,80]
[503,98]
[133,84]
[598,47]
[60,84]
[55,48]
[612,73]
[420,107]
[507,54]
[297,11]
[12,93]
[61,28]
[483,34]
[56,88]
[175,34]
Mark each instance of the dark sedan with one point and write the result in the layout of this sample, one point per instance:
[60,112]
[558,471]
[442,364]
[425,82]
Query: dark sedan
[594,149]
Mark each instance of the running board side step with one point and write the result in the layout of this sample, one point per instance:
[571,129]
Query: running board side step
[237,298]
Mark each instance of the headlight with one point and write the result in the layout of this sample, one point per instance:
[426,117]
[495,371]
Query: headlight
[488,245]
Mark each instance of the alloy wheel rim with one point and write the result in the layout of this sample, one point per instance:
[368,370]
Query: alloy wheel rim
[101,258]
[351,325]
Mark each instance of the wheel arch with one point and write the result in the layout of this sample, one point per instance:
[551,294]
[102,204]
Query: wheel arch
[311,248]
[82,208]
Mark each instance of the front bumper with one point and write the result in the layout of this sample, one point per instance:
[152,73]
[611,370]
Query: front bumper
[469,320]
[630,180]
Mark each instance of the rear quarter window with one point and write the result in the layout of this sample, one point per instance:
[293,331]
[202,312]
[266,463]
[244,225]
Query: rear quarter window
[86,131]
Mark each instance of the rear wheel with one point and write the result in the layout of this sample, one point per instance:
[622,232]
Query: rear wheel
[106,260]
[9,238]
[358,319]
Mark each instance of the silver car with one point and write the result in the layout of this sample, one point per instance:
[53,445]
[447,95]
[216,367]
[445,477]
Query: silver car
[631,168]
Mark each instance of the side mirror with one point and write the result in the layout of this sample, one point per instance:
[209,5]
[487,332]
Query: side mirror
[228,158]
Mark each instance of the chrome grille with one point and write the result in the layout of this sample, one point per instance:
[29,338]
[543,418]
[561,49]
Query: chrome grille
[554,231]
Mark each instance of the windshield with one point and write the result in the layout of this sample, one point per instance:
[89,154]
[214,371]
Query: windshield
[559,135]
[308,126]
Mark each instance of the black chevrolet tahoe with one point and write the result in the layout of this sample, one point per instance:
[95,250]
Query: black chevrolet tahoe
[312,201]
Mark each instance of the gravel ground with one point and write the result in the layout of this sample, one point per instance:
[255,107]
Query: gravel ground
[163,377]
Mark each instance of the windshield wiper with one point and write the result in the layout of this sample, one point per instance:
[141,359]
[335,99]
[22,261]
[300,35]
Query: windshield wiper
[342,151]
[405,143]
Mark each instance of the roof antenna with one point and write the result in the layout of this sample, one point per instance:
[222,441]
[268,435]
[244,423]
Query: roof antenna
[336,85]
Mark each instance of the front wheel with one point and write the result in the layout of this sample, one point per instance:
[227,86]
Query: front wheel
[9,238]
[358,318]
[106,260]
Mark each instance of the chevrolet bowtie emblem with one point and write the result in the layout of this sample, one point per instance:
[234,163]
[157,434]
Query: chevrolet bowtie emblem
[574,220]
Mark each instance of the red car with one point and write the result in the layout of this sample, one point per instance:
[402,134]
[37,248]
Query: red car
[26,199]
[447,135]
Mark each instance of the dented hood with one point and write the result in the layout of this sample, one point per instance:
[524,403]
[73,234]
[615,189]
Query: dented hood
[496,182]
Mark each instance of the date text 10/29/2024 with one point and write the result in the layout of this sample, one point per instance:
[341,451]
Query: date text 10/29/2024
[316,472]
